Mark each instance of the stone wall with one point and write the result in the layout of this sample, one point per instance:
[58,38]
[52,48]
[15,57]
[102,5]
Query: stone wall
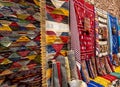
[111,6]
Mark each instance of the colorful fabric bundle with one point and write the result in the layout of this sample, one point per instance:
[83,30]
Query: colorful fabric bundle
[118,77]
[62,71]
[116,74]
[113,79]
[102,81]
[102,33]
[20,61]
[113,28]
[64,81]
[102,42]
[75,71]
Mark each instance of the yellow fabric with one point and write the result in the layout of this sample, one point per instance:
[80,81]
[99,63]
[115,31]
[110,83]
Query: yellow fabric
[23,39]
[50,39]
[21,16]
[23,2]
[6,72]
[6,3]
[5,28]
[5,22]
[48,73]
[63,52]
[102,81]
[5,61]
[58,40]
[117,69]
[1,81]
[14,86]
[31,57]
[1,5]
[67,69]
[23,68]
[61,11]
[37,2]
[30,27]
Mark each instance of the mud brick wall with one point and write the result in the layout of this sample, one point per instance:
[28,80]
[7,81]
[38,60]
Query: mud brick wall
[111,6]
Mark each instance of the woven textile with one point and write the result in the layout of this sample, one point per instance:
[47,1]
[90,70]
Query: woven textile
[57,28]
[102,41]
[85,17]
[57,38]
[84,13]
[102,36]
[113,26]
[20,63]
[114,44]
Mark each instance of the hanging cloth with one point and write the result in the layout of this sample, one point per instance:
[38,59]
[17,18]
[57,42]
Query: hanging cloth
[75,43]
[61,59]
[113,28]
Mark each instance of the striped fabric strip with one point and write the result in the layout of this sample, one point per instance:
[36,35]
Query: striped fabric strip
[55,80]
[94,84]
[61,59]
[110,34]
[75,43]
[118,55]
[72,64]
